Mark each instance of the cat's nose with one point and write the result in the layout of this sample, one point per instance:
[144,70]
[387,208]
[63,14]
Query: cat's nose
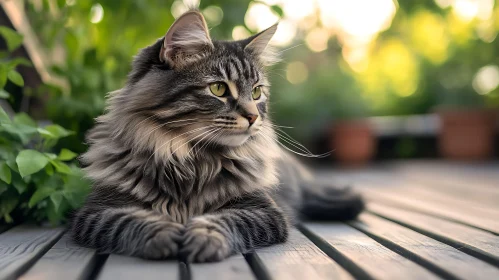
[251,118]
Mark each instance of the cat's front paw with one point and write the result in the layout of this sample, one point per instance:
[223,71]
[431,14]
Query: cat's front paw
[203,242]
[164,243]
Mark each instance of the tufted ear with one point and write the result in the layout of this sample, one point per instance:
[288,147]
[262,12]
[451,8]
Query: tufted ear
[186,41]
[258,45]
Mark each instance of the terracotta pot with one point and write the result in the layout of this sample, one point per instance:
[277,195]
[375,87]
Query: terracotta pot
[352,142]
[466,134]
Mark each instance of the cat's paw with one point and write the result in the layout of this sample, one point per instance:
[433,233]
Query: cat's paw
[164,244]
[203,242]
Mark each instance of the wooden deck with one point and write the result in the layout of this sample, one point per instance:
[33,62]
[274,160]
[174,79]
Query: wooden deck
[425,220]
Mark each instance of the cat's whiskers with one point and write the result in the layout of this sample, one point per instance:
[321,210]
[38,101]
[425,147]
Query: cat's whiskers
[213,131]
[304,150]
[304,154]
[275,125]
[205,145]
[287,137]
[194,138]
[167,123]
[290,48]
[169,141]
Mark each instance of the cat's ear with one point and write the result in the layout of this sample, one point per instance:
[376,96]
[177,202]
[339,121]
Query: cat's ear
[187,40]
[259,45]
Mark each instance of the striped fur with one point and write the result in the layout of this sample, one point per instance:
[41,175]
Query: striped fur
[178,171]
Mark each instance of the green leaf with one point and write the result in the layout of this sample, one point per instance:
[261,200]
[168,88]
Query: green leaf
[24,119]
[8,202]
[3,188]
[40,195]
[5,174]
[278,10]
[66,154]
[4,94]
[55,131]
[3,75]
[19,184]
[45,133]
[20,129]
[8,219]
[49,169]
[13,165]
[12,38]
[4,118]
[61,167]
[16,78]
[56,199]
[50,156]
[18,61]
[30,161]
[49,143]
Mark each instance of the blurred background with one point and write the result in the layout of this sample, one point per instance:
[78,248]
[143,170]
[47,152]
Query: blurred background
[366,79]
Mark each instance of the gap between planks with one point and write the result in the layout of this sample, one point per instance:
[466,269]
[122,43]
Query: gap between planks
[362,256]
[444,260]
[478,243]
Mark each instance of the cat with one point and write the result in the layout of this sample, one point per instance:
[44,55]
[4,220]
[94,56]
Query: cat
[185,162]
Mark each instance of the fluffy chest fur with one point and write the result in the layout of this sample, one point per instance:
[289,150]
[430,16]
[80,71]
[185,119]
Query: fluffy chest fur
[181,183]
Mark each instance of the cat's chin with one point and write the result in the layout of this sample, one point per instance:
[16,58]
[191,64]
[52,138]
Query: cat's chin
[233,140]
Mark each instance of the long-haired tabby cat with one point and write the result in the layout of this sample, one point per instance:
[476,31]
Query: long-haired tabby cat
[185,161]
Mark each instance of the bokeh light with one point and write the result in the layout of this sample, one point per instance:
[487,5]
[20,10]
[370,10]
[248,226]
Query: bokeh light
[317,39]
[259,17]
[240,32]
[214,15]
[96,13]
[486,79]
[296,72]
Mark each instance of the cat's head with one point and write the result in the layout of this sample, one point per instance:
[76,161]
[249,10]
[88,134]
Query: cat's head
[212,90]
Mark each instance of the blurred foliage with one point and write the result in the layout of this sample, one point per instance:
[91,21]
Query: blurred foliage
[428,57]
[35,183]
[95,58]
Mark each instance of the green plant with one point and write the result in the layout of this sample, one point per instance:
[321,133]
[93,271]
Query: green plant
[35,183]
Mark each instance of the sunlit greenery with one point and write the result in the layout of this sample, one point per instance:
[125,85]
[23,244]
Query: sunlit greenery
[417,55]
[35,182]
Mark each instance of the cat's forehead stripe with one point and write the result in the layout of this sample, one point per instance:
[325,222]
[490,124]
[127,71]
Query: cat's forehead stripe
[233,89]
[236,68]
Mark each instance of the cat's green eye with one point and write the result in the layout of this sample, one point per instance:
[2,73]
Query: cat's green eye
[218,89]
[257,92]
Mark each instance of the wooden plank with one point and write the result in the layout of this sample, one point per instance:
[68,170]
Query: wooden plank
[124,268]
[468,190]
[455,213]
[471,207]
[376,190]
[466,195]
[391,185]
[380,185]
[366,258]
[442,259]
[65,260]
[475,242]
[298,258]
[233,268]
[453,174]
[21,246]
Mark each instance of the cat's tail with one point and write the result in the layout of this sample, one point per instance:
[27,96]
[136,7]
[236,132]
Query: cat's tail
[331,203]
